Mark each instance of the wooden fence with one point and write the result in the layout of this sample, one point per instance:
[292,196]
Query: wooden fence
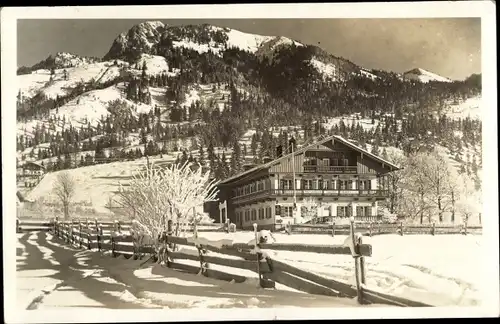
[28,225]
[371,229]
[92,235]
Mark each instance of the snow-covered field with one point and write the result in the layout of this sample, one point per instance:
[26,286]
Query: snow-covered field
[95,185]
[439,270]
[94,280]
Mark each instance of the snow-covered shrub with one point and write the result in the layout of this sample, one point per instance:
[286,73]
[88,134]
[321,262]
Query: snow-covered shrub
[388,217]
[156,195]
[232,228]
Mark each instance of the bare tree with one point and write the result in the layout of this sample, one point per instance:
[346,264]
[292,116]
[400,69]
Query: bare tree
[437,173]
[415,188]
[394,182]
[468,200]
[64,188]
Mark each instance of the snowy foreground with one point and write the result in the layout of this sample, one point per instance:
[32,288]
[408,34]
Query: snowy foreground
[439,270]
[52,275]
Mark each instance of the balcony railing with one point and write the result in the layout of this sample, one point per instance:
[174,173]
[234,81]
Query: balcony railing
[331,192]
[311,192]
[330,169]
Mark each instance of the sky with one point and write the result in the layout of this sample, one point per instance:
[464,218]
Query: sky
[450,47]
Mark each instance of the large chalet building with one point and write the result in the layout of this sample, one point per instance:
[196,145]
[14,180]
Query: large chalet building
[343,179]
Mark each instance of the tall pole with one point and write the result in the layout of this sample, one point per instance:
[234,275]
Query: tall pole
[294,210]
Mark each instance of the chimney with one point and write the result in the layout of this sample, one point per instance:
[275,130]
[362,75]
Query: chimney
[279,151]
[247,167]
[267,159]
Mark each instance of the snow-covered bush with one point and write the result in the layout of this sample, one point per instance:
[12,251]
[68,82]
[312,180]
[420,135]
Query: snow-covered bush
[388,217]
[156,195]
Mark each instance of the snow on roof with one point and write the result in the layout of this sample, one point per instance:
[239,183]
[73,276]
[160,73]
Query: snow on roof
[36,163]
[305,148]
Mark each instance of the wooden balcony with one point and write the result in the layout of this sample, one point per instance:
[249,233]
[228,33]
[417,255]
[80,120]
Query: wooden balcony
[330,169]
[271,193]
[331,192]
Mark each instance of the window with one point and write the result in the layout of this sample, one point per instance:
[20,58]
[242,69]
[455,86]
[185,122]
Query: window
[254,214]
[346,162]
[277,210]
[287,211]
[268,212]
[261,213]
[326,162]
[308,184]
[260,185]
[344,211]
[286,184]
[345,184]
[321,184]
[365,185]
[247,216]
[363,211]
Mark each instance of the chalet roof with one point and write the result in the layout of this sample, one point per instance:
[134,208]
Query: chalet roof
[305,148]
[35,163]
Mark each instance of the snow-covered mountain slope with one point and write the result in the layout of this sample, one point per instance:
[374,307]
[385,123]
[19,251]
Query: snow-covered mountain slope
[89,108]
[145,36]
[66,60]
[424,76]
[328,70]
[154,64]
[470,107]
[62,82]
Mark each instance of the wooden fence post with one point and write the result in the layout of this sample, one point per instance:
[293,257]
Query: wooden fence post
[88,234]
[113,254]
[69,233]
[370,229]
[169,233]
[201,251]
[464,228]
[361,262]
[73,239]
[80,233]
[333,229]
[356,262]
[257,254]
[433,228]
[97,235]
[401,228]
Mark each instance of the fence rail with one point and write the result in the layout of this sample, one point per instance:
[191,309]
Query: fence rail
[92,235]
[375,228]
